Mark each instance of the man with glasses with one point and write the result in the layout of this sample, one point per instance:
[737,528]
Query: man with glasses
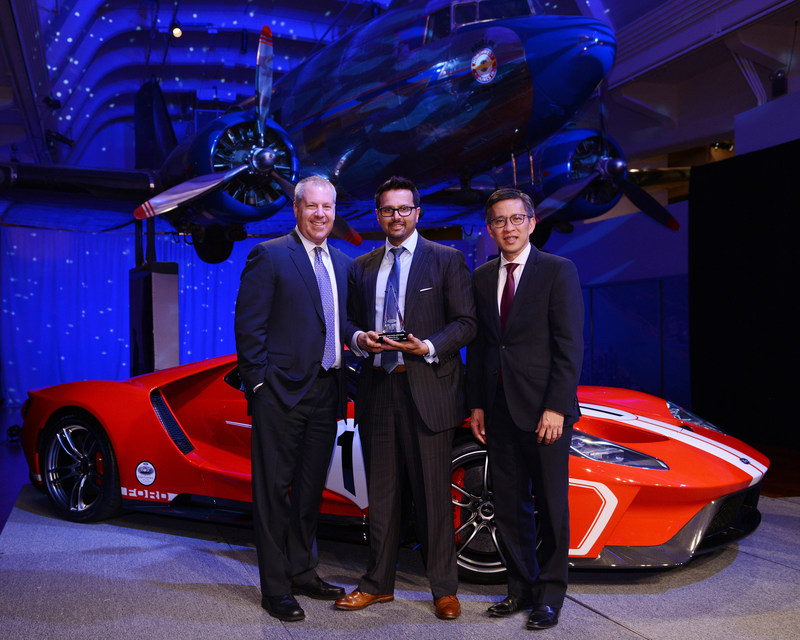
[522,379]
[410,394]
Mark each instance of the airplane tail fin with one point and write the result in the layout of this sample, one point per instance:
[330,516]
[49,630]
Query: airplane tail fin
[154,135]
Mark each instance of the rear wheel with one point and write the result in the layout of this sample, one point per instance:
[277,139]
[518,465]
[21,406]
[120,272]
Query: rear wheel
[79,470]
[478,546]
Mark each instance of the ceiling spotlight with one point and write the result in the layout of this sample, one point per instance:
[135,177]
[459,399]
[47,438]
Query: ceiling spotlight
[177,32]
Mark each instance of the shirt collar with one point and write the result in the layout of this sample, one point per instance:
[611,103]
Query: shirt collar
[521,259]
[410,244]
[308,245]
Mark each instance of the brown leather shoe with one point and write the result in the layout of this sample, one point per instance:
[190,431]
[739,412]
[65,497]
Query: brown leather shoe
[358,600]
[448,608]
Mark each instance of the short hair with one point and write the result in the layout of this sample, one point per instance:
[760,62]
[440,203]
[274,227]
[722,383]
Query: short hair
[509,194]
[397,182]
[300,189]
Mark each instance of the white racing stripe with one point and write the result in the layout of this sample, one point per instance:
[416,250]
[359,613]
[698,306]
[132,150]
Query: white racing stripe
[751,467]
[608,505]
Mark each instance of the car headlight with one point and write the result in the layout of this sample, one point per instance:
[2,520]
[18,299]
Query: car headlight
[687,416]
[594,448]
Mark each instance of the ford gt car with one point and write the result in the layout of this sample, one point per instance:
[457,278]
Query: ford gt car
[651,485]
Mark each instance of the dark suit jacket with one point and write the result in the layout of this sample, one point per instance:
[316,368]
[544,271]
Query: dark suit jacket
[541,350]
[438,307]
[280,323]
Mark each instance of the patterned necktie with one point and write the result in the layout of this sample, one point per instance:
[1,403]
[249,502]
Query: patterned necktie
[326,293]
[391,304]
[507,296]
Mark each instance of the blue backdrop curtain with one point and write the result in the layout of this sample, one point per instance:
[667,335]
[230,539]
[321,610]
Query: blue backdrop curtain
[65,305]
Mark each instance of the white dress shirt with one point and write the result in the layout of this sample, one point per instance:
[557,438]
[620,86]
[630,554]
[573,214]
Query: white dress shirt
[405,258]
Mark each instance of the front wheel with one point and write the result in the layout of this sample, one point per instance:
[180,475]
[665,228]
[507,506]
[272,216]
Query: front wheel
[79,470]
[478,547]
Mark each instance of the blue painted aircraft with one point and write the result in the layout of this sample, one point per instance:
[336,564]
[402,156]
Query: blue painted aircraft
[437,91]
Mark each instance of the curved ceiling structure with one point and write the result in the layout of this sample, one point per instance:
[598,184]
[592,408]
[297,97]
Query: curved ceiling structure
[69,70]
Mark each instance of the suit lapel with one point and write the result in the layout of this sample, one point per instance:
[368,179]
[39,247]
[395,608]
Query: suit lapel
[487,287]
[420,262]
[340,272]
[300,259]
[526,283]
[371,267]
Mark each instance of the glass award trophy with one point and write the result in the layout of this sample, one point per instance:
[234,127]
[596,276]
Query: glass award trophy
[393,326]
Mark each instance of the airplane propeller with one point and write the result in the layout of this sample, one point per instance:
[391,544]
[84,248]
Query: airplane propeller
[255,160]
[263,80]
[609,170]
[614,171]
[258,159]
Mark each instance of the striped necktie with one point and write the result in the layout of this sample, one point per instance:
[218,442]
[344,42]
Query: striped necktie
[391,304]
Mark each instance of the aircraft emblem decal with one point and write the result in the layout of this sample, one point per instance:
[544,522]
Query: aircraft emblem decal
[484,65]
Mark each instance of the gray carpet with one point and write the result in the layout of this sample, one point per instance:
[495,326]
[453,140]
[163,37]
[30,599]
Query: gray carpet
[151,577]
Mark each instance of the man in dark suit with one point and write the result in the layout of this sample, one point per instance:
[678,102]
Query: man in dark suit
[289,334]
[410,396]
[522,378]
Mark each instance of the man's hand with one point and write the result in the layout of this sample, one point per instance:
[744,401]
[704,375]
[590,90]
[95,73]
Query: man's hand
[412,345]
[477,425]
[368,341]
[550,426]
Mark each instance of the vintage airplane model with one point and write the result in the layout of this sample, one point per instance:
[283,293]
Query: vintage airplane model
[438,91]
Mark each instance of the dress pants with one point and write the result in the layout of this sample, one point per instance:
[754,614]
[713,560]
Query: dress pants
[290,449]
[520,466]
[397,444]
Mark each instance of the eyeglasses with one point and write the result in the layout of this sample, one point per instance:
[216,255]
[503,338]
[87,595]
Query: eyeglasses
[517,219]
[388,212]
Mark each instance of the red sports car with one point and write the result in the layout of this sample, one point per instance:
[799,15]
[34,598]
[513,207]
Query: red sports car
[651,485]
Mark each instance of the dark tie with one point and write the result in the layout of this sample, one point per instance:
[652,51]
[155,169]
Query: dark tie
[507,296]
[326,293]
[391,303]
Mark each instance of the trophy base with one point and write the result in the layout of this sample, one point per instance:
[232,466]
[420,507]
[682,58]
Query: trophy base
[396,336]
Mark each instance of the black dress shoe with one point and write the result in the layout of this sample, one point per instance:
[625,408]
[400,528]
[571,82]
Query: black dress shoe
[319,589]
[283,608]
[506,607]
[543,617]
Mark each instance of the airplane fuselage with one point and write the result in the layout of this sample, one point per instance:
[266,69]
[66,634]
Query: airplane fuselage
[390,98]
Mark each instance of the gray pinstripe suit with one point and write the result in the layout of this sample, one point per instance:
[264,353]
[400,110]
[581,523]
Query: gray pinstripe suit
[406,420]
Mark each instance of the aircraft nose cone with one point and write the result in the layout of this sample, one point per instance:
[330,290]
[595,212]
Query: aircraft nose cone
[568,58]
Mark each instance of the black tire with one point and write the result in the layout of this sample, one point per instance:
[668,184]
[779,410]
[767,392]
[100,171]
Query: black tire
[478,545]
[79,470]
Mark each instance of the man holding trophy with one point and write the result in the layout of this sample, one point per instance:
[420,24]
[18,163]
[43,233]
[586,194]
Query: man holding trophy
[412,302]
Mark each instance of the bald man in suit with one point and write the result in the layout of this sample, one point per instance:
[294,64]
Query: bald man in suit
[410,397]
[522,378]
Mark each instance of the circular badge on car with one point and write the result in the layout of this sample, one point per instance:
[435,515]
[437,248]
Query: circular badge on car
[145,473]
[484,65]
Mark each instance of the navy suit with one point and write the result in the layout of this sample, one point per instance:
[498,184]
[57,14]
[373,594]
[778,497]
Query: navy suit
[406,420]
[514,375]
[280,340]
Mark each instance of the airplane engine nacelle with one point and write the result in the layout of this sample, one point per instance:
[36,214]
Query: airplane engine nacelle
[224,144]
[569,156]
